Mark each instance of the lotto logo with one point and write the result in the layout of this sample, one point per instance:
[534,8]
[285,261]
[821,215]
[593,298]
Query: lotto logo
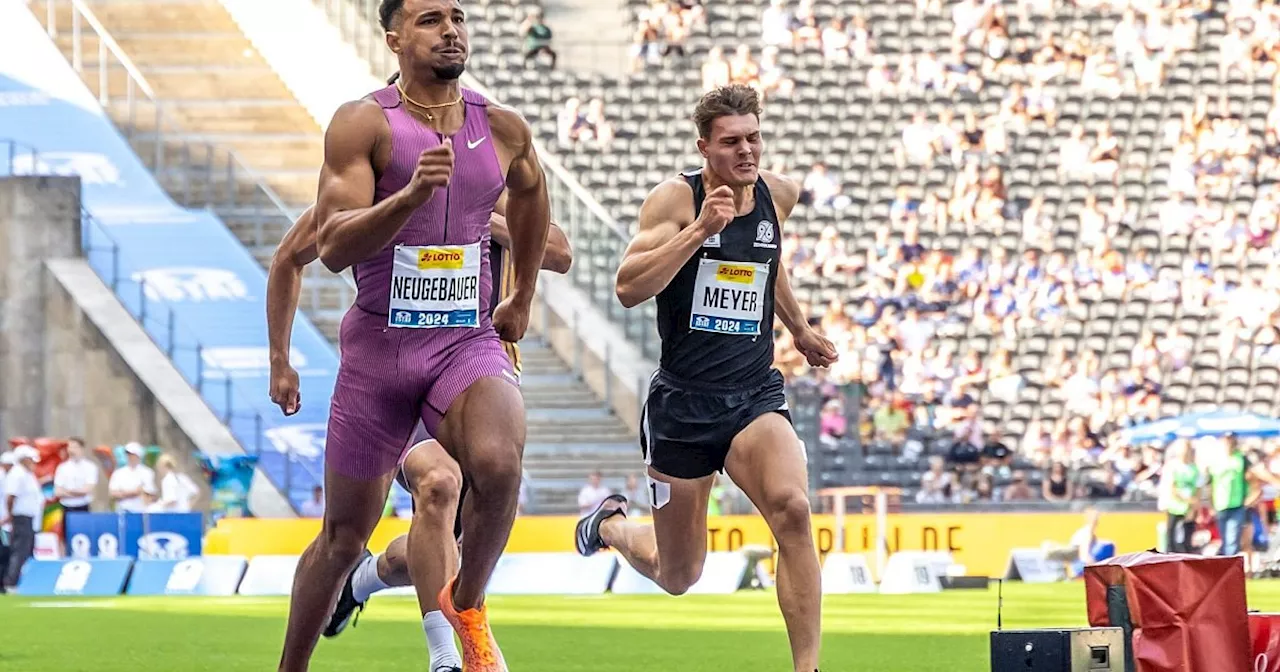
[701,322]
[440,257]
[731,273]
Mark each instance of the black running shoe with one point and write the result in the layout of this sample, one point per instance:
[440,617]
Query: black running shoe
[587,535]
[347,608]
[447,669]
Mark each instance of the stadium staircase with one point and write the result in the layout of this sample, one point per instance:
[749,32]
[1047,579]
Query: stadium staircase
[221,103]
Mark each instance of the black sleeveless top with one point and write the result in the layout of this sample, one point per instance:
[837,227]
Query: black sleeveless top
[715,317]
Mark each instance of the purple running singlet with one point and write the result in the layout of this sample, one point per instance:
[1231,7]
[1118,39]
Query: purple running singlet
[420,332]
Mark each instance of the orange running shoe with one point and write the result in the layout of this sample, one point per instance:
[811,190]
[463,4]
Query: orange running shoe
[480,651]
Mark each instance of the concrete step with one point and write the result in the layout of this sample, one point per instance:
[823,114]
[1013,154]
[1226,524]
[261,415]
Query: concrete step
[590,414]
[252,229]
[273,116]
[264,151]
[188,83]
[169,16]
[570,451]
[160,49]
[559,436]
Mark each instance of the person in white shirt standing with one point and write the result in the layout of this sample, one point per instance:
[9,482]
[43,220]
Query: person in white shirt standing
[177,490]
[75,479]
[592,494]
[25,502]
[128,483]
[6,463]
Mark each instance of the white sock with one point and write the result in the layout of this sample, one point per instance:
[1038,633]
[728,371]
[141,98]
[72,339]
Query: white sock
[444,652]
[366,581]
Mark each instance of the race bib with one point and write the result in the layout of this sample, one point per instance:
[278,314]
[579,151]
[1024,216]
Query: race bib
[728,297]
[435,286]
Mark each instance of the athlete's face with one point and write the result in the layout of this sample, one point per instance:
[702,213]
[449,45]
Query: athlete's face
[432,34]
[733,149]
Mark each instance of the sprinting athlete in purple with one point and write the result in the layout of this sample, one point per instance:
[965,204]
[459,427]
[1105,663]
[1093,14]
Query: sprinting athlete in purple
[411,175]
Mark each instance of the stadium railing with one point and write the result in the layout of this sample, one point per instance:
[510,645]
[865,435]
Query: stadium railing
[156,318]
[196,174]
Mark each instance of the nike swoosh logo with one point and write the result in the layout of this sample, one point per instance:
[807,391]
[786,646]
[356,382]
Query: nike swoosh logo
[476,143]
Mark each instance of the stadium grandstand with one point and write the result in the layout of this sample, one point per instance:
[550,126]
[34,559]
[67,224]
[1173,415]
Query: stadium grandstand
[1042,235]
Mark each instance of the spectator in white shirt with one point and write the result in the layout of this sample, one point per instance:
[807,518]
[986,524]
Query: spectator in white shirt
[128,484]
[25,502]
[6,463]
[592,494]
[75,479]
[178,492]
[775,24]
[314,507]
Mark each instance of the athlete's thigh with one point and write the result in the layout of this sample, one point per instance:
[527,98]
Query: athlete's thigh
[679,509]
[373,409]
[474,378]
[427,461]
[353,506]
[767,460]
[484,427]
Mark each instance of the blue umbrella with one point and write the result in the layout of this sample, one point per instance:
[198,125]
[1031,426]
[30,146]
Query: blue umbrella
[1196,425]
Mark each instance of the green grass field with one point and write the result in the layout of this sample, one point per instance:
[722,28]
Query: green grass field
[741,633]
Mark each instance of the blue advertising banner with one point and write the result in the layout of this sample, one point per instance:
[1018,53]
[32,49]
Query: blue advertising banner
[146,536]
[74,577]
[184,260]
[209,575]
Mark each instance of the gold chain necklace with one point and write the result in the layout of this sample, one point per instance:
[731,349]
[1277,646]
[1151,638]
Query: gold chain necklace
[428,115]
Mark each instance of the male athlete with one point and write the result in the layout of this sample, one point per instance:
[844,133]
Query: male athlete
[426,471]
[419,342]
[707,248]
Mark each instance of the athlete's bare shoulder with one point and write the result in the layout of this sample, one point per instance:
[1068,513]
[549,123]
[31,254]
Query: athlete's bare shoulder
[670,201]
[785,191]
[510,128]
[357,125]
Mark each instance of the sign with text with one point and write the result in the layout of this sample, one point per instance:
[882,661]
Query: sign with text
[979,541]
[74,577]
[209,575]
[910,572]
[552,574]
[269,575]
[722,574]
[146,536]
[846,573]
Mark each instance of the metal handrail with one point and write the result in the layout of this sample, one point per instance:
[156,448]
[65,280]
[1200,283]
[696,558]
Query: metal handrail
[145,309]
[108,44]
[151,311]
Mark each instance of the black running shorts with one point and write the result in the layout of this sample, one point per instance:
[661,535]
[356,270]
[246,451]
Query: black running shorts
[686,428]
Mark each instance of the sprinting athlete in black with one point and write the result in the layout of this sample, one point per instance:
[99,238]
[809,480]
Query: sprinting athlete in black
[708,249]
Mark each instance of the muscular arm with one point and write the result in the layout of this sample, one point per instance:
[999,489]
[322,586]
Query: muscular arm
[663,243]
[284,283]
[528,212]
[350,227]
[557,258]
[785,194]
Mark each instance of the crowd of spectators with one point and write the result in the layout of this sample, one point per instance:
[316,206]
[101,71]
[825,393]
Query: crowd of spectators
[905,328]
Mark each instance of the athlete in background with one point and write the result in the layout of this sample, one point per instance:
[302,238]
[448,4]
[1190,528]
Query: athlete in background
[708,249]
[427,472]
[411,175]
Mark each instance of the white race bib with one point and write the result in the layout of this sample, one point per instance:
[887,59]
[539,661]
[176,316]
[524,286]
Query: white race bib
[435,286]
[728,297]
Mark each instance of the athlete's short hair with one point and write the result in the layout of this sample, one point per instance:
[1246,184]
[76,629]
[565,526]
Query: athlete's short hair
[725,101]
[387,12]
[395,77]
